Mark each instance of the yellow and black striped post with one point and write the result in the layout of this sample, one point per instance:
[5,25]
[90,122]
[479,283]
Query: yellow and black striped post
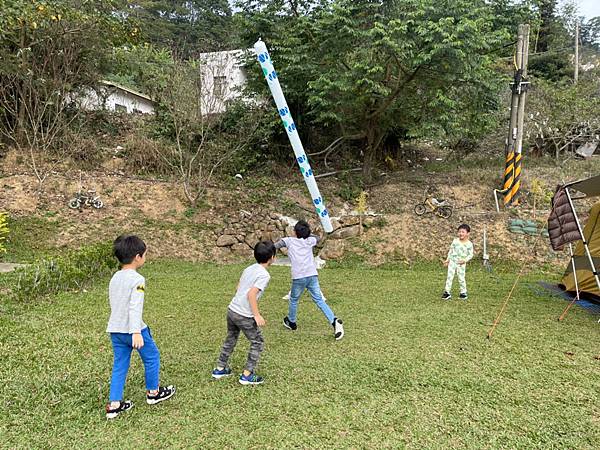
[508,174]
[511,196]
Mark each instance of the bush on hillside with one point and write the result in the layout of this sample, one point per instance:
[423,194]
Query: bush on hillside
[72,271]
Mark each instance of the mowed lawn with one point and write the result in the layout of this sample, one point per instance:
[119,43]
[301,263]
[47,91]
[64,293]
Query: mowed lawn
[412,371]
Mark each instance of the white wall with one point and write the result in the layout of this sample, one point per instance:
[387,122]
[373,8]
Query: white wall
[133,103]
[225,69]
[109,97]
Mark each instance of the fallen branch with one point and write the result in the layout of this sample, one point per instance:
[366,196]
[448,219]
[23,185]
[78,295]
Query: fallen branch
[328,174]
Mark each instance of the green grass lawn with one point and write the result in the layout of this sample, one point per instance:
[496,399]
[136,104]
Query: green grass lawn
[412,371]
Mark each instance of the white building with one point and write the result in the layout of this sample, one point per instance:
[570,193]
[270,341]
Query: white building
[223,79]
[114,97]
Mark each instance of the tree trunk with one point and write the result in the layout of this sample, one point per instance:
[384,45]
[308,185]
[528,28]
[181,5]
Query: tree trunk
[20,92]
[374,137]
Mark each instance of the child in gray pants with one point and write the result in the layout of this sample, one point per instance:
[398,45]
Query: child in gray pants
[243,315]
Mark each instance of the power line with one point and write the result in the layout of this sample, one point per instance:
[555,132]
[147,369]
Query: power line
[558,50]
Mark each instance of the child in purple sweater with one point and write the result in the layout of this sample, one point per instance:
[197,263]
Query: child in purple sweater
[304,277]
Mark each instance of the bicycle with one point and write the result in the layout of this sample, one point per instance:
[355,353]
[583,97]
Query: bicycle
[86,199]
[440,208]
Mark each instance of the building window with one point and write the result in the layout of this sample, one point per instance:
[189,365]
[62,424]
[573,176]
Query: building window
[219,84]
[120,108]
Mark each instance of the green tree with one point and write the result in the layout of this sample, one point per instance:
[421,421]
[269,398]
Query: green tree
[553,42]
[590,33]
[563,116]
[50,51]
[369,69]
[187,27]
[143,67]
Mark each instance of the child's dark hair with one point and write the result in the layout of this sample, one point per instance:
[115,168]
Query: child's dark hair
[302,229]
[465,227]
[127,246]
[264,251]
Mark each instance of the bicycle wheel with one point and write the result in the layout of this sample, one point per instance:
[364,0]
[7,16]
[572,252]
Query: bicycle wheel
[445,212]
[74,203]
[97,204]
[420,209]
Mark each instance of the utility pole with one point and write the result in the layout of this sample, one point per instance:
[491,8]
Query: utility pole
[522,89]
[514,141]
[509,149]
[576,74]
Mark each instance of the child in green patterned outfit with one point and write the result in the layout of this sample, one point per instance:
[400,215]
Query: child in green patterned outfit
[460,253]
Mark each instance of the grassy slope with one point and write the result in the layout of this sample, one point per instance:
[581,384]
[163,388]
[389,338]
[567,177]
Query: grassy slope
[412,371]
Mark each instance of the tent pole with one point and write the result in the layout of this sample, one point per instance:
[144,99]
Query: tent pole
[585,244]
[562,316]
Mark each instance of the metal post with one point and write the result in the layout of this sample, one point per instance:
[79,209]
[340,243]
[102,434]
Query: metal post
[585,245]
[486,257]
[576,74]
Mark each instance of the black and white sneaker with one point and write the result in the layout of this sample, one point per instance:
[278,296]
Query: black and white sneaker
[338,329]
[446,295]
[164,393]
[111,413]
[289,325]
[463,296]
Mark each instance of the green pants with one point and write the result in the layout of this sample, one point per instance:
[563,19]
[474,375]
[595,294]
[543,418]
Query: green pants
[458,269]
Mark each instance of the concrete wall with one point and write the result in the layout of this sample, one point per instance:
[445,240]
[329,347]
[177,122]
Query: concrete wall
[223,77]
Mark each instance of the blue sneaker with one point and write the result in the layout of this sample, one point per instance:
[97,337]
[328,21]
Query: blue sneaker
[216,373]
[250,379]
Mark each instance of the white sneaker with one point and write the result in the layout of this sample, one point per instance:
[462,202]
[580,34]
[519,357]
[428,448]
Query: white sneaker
[287,296]
[338,327]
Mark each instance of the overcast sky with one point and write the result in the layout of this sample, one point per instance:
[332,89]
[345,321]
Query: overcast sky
[589,8]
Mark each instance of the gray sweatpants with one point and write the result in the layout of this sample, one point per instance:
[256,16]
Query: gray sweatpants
[235,324]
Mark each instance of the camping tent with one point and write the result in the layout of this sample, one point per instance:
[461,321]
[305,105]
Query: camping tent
[585,278]
[582,271]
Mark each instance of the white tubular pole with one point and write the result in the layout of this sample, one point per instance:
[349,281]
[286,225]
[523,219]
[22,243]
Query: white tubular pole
[288,122]
[485,254]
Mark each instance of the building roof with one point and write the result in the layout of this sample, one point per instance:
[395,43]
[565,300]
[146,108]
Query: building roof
[126,89]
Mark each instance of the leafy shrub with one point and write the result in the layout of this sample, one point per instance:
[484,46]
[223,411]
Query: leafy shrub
[71,271]
[3,230]
[146,156]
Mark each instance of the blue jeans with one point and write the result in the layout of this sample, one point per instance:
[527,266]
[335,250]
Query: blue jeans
[312,284]
[122,348]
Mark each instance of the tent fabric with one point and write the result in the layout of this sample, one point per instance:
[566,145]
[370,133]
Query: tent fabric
[585,277]
[562,222]
[590,186]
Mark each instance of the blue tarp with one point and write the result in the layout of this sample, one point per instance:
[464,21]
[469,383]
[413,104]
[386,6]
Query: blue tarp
[553,289]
